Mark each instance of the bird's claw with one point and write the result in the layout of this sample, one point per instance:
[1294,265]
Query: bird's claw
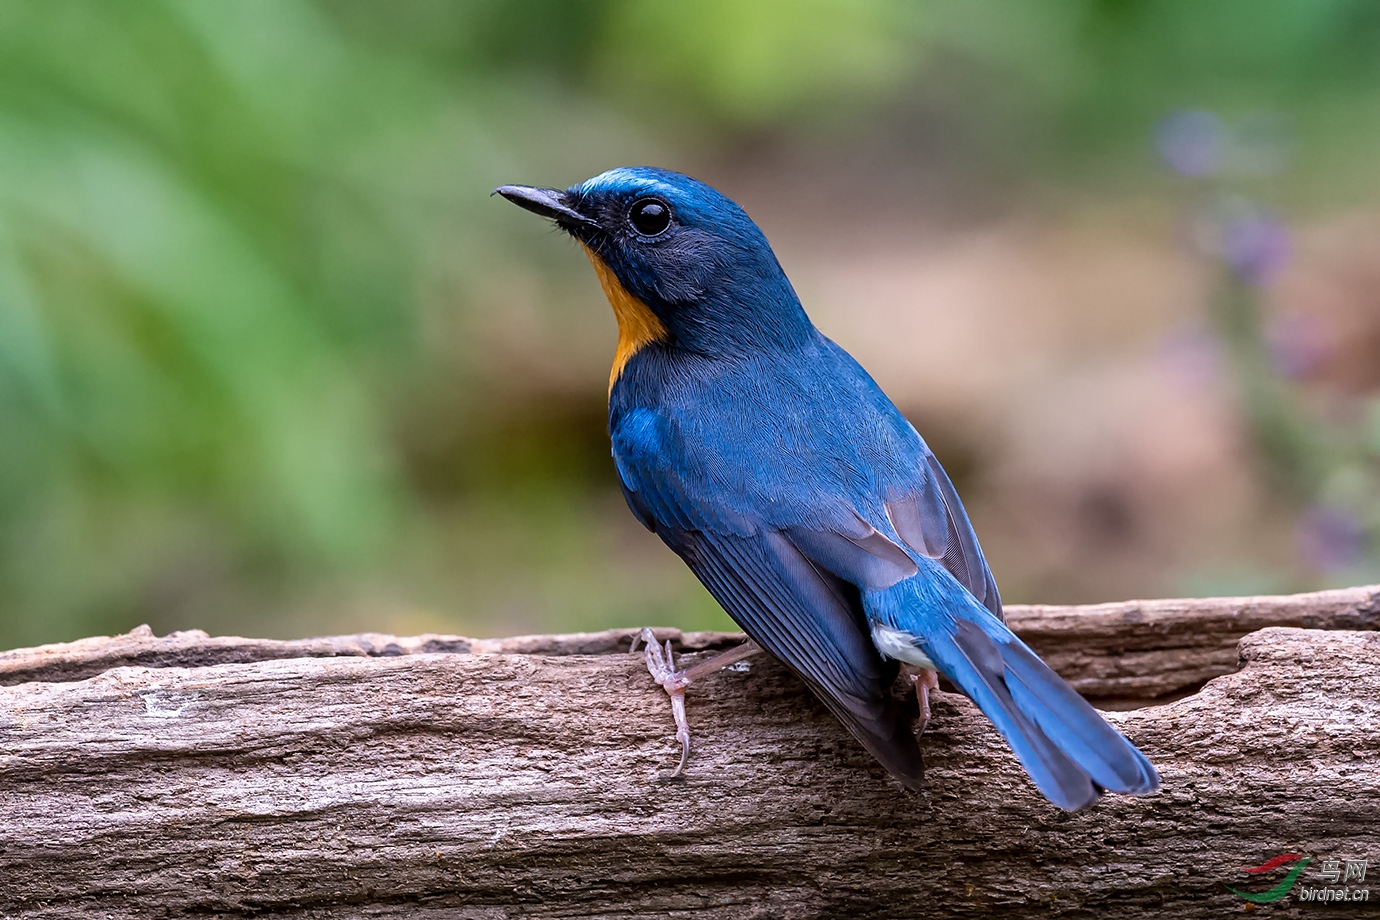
[661,664]
[923,680]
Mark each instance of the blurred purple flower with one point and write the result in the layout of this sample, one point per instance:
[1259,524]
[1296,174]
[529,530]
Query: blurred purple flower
[1256,246]
[1192,142]
[1299,345]
[1330,538]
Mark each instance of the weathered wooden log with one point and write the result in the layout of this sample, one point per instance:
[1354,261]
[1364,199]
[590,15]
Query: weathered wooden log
[373,776]
[1130,650]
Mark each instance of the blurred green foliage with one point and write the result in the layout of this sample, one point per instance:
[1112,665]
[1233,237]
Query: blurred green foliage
[230,232]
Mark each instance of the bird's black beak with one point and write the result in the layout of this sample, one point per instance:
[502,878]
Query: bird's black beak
[548,202]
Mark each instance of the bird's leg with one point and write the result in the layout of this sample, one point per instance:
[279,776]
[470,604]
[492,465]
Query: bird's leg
[662,666]
[923,680]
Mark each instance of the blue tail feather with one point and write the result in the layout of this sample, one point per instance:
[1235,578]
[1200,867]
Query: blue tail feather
[1109,758]
[1071,753]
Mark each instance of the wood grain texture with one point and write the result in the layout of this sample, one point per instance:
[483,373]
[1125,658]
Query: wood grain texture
[1129,650]
[529,777]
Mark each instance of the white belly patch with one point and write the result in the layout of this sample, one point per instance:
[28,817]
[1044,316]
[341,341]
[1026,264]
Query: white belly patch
[899,644]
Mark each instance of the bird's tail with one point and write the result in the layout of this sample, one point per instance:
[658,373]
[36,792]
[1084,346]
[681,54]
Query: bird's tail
[1071,752]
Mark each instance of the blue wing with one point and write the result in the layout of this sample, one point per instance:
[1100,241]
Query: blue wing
[806,617]
[929,519]
[783,549]
[814,624]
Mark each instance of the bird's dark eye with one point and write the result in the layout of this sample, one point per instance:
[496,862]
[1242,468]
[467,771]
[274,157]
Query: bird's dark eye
[650,216]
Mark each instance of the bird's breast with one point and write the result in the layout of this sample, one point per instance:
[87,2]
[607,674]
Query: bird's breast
[638,326]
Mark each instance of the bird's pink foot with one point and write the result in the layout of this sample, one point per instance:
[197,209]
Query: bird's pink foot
[661,665]
[923,680]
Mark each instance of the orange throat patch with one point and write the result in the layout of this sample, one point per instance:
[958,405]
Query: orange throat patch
[638,326]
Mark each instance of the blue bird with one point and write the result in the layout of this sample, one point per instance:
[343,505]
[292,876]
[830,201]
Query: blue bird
[772,464]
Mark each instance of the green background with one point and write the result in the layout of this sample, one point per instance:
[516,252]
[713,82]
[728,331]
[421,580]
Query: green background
[273,363]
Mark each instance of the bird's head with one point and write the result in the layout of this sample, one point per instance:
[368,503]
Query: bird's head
[682,265]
